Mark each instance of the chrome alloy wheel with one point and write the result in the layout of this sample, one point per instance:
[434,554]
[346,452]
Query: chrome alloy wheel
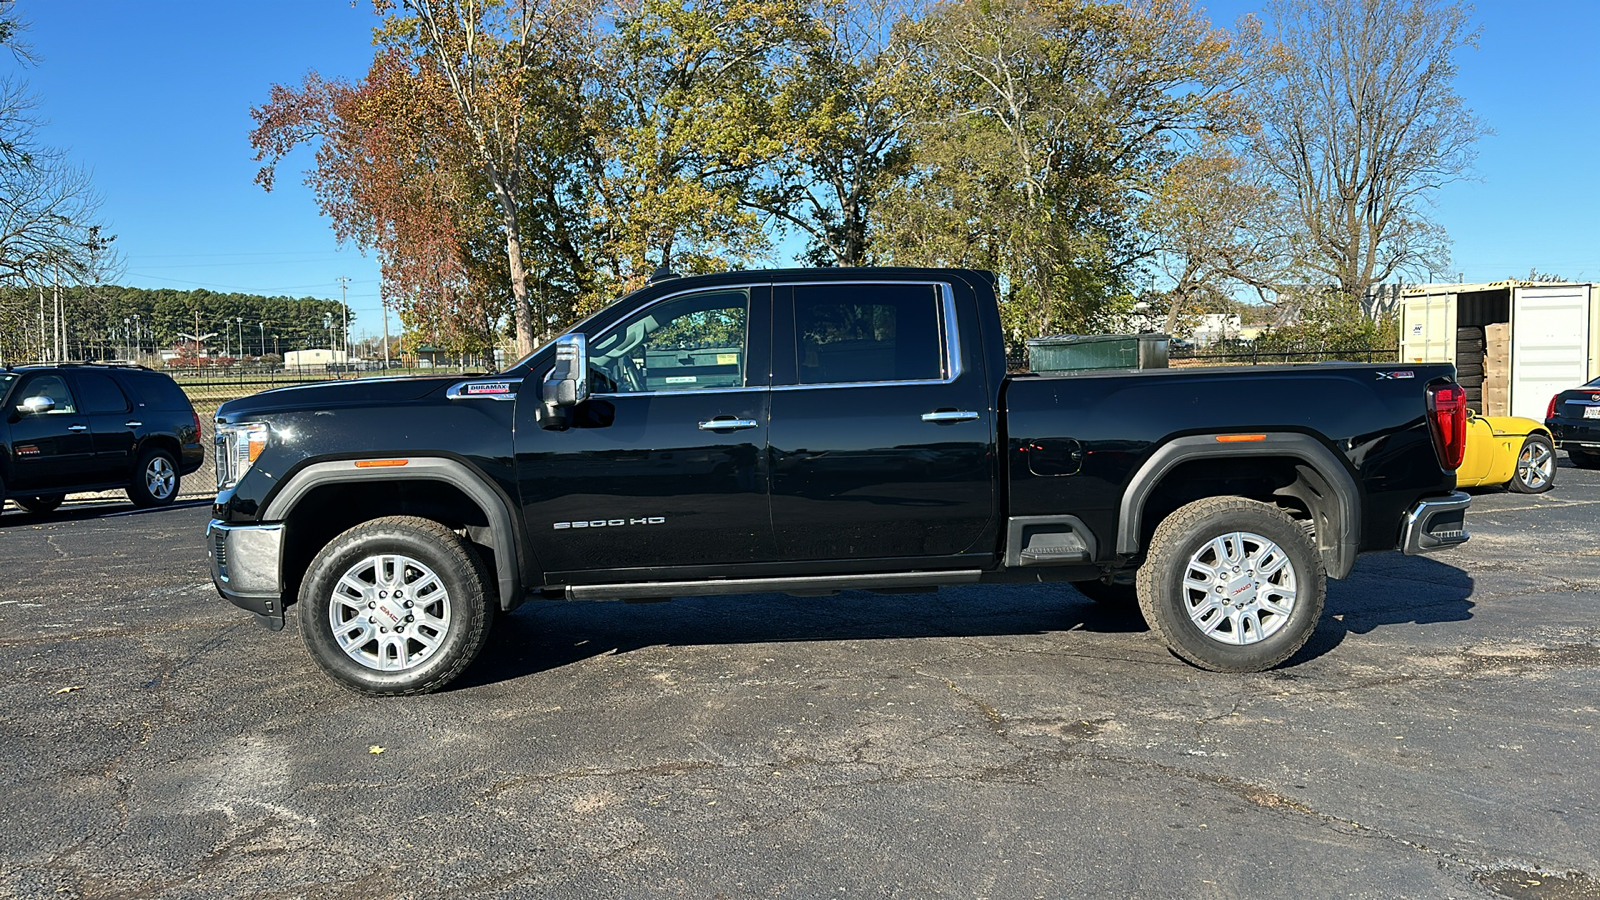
[1239,588]
[389,612]
[160,479]
[1536,465]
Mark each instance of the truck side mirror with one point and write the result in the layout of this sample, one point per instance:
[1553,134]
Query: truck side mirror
[34,406]
[567,385]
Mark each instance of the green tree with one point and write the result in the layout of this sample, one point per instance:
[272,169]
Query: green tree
[1045,127]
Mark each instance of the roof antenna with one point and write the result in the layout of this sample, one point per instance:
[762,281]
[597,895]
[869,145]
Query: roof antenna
[663,273]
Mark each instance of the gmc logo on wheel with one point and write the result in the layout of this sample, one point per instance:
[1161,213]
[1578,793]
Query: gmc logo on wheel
[611,523]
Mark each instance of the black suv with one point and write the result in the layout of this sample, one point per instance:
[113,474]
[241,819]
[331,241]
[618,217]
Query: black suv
[87,427]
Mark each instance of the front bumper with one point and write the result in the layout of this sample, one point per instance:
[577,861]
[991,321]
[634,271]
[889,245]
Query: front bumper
[1435,523]
[247,568]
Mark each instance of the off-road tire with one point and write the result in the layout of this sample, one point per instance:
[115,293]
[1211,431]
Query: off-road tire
[155,479]
[1185,535]
[468,610]
[1536,466]
[39,505]
[1584,459]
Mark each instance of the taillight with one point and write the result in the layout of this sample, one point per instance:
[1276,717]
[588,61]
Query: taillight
[198,434]
[1551,412]
[1447,416]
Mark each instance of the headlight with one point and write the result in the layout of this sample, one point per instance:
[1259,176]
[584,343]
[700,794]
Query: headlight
[237,447]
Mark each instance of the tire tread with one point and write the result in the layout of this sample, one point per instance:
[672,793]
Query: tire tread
[444,540]
[1171,531]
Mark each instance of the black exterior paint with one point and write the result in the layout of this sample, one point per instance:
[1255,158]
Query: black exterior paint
[833,479]
[1569,425]
[92,448]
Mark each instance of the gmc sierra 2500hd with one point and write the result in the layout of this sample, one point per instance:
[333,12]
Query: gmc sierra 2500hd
[814,431]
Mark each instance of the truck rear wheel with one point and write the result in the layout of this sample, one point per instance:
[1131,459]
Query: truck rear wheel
[398,605]
[1232,585]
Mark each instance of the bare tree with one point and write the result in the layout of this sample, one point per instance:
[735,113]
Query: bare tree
[1362,126]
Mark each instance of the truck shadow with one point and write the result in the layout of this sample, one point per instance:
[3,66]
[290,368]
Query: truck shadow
[1389,589]
[548,635]
[1384,589]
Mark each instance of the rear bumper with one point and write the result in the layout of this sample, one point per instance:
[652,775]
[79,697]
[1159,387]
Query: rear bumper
[247,568]
[1575,432]
[1435,523]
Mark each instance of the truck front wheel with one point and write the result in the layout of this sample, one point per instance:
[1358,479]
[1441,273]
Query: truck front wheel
[1232,585]
[397,605]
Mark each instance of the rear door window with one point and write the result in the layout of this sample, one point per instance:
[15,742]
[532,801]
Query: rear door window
[100,394]
[868,333]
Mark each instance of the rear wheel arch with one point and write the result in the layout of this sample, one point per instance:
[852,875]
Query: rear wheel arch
[322,500]
[1307,479]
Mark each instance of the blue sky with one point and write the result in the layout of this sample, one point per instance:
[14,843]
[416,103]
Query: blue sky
[155,97]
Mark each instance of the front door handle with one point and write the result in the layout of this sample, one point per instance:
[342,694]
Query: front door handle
[946,416]
[77,428]
[727,423]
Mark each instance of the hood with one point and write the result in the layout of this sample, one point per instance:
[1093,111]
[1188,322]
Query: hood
[328,394]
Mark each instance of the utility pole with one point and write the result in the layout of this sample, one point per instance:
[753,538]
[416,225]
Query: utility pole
[383,303]
[345,309]
[58,333]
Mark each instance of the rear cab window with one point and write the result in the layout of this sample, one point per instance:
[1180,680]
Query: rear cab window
[869,334]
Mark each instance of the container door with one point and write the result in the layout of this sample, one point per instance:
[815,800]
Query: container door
[1428,328]
[1549,345]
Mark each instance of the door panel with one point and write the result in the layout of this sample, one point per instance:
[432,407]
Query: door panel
[646,478]
[111,422]
[882,444]
[636,482]
[53,449]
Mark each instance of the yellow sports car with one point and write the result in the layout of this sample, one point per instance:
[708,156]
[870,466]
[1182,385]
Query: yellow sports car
[1508,450]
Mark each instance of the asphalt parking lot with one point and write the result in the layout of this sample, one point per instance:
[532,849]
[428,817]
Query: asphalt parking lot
[1439,737]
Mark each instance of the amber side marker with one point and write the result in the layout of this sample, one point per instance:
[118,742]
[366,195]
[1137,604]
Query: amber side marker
[379,463]
[1227,438]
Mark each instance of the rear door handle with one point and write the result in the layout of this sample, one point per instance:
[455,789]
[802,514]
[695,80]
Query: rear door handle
[946,416]
[77,428]
[727,424]
[132,424]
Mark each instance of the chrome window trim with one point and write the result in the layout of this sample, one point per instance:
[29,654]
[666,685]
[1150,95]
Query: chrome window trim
[710,390]
[951,363]
[947,318]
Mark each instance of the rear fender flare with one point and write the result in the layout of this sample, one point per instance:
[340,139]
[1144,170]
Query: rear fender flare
[1302,447]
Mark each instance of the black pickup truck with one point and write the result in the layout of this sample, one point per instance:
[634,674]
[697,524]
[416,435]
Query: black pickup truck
[810,431]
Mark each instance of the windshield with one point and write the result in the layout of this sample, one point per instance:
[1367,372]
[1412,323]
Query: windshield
[6,379]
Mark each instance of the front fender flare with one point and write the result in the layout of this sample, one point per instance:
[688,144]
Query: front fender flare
[502,528]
